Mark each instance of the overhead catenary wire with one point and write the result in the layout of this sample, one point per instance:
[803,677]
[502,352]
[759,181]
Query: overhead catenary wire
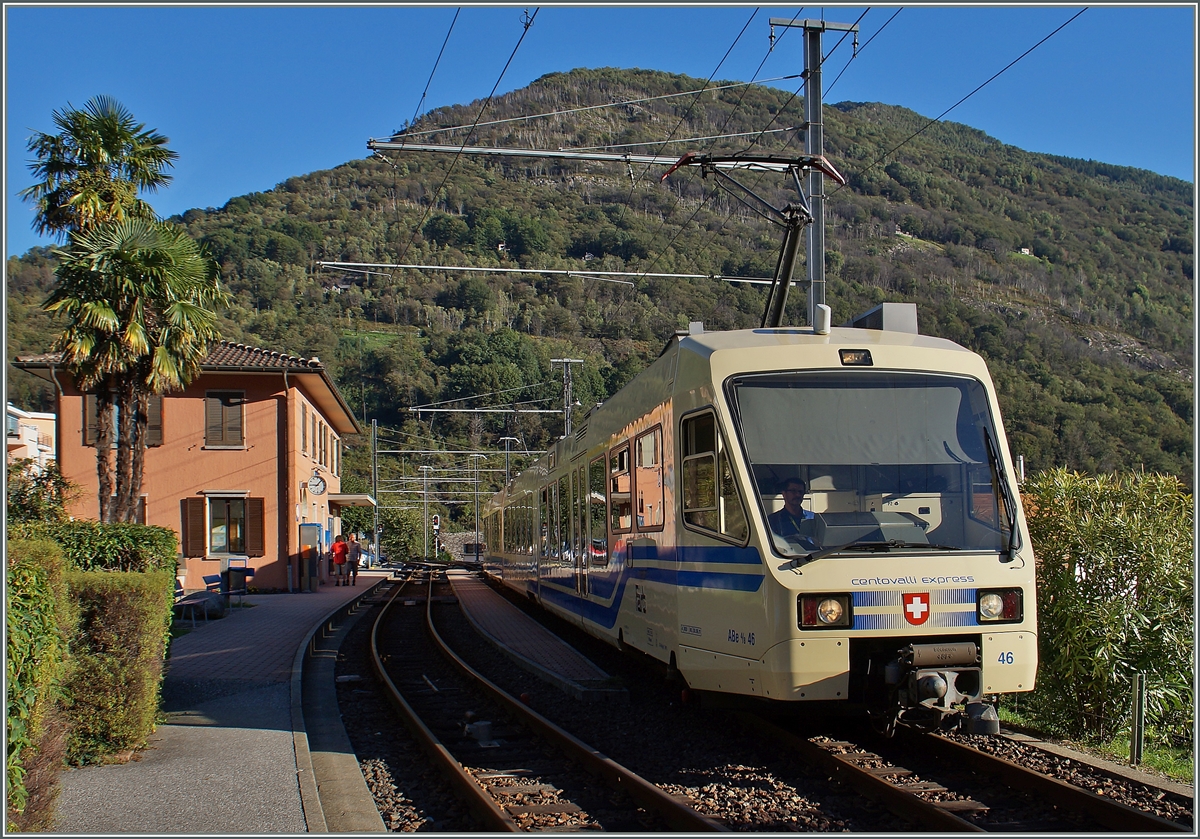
[436,62]
[426,131]
[862,47]
[758,136]
[684,140]
[586,273]
[691,107]
[939,117]
[527,23]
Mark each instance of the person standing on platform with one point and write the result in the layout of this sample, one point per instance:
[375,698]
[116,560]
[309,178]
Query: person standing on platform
[353,555]
[339,551]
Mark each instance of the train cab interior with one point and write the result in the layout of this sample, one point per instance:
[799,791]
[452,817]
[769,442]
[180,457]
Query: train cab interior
[888,457]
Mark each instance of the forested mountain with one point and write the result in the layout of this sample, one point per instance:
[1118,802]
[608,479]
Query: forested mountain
[1088,334]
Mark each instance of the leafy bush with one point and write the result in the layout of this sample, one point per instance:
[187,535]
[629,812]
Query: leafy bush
[1115,585]
[40,619]
[37,493]
[113,693]
[92,545]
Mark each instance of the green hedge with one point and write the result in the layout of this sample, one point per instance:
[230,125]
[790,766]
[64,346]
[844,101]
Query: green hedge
[1115,584]
[40,621]
[113,694]
[92,545]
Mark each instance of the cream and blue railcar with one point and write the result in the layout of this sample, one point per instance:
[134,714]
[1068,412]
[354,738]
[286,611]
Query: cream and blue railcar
[909,592]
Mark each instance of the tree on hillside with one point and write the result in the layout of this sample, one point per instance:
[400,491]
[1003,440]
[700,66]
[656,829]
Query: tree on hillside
[92,170]
[139,300]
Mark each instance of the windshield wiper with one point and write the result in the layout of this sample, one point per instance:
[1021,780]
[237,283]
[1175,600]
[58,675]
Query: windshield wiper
[888,545]
[1001,488]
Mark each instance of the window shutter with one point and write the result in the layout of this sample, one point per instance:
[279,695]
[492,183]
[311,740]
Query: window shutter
[154,428]
[90,419]
[213,427]
[233,419]
[255,530]
[223,418]
[194,526]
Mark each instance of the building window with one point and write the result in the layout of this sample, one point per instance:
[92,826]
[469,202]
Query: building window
[223,418]
[226,525]
[303,428]
[223,525]
[154,423]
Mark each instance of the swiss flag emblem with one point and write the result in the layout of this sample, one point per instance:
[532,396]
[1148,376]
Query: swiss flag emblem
[916,608]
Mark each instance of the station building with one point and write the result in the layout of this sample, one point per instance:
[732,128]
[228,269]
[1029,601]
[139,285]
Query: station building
[245,464]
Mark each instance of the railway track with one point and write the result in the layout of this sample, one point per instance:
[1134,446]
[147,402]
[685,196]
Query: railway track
[517,770]
[952,786]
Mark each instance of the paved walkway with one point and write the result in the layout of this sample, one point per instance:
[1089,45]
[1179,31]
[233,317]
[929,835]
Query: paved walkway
[224,762]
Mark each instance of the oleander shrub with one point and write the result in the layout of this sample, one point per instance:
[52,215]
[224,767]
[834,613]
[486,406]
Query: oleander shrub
[119,546]
[113,693]
[40,621]
[1115,588]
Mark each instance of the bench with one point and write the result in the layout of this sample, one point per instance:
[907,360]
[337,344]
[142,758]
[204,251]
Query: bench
[189,602]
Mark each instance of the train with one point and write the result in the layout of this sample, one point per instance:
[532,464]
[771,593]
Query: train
[823,515]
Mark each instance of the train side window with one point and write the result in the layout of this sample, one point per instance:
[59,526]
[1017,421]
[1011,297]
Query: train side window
[648,479]
[619,499]
[528,512]
[581,513]
[710,497]
[564,519]
[575,518]
[597,521]
[546,518]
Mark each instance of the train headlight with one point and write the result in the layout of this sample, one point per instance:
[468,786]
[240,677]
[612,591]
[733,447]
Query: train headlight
[1001,605]
[821,611]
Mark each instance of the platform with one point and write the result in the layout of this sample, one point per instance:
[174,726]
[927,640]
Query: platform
[529,644]
[225,760]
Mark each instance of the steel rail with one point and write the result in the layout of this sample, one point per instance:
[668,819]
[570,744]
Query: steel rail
[494,818]
[677,814]
[1104,811]
[901,802]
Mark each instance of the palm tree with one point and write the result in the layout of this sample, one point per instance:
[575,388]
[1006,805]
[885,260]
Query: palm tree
[139,299]
[92,170]
[137,294]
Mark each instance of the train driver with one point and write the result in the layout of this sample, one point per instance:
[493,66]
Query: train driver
[789,521]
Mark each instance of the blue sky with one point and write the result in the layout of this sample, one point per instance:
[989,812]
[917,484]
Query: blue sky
[250,96]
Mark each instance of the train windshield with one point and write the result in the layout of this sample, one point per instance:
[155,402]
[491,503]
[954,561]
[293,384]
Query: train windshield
[854,461]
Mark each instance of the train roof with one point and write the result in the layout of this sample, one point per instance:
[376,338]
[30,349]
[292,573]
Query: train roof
[706,343]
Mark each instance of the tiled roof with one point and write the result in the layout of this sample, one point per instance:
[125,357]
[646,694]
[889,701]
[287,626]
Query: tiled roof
[224,354]
[227,354]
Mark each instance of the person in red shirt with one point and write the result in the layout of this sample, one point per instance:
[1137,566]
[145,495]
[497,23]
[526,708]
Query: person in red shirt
[339,551]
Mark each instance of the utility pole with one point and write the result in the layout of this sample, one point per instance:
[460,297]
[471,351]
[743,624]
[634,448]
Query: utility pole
[375,486]
[425,470]
[814,145]
[566,363]
[476,458]
[506,441]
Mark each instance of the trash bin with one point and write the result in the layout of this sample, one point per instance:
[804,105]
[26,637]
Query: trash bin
[237,579]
